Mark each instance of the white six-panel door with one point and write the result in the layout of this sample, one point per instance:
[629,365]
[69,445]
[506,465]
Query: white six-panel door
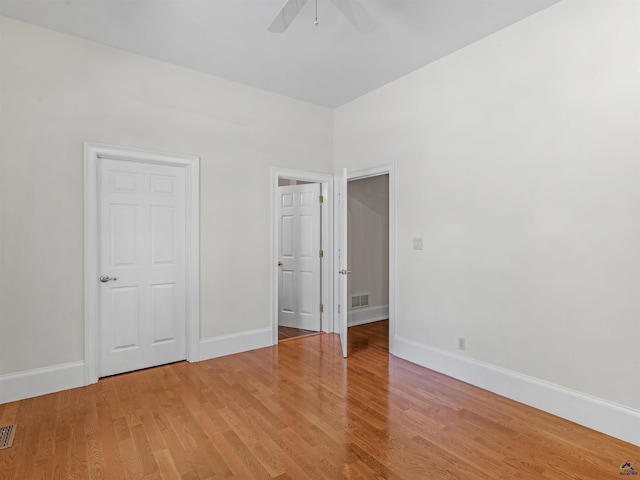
[142,305]
[299,256]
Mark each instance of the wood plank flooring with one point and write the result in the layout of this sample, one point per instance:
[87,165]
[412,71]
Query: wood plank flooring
[298,411]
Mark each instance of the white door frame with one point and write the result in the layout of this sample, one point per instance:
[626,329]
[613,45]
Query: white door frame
[326,185]
[389,169]
[93,153]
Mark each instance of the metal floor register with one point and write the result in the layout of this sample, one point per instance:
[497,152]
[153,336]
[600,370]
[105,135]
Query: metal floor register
[6,436]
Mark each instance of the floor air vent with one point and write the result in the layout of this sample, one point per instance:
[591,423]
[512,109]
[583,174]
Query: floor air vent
[6,436]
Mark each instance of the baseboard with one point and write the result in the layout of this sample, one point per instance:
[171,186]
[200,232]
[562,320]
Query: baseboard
[360,316]
[592,412]
[214,347]
[40,381]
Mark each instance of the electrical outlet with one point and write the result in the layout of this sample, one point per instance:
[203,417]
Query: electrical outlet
[418,243]
[462,343]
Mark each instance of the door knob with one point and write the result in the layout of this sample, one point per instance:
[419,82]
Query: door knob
[107,278]
[280,263]
[345,272]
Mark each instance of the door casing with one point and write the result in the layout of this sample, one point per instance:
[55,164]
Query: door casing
[326,185]
[93,153]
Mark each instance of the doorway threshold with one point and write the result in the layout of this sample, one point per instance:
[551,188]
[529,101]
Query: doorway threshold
[290,333]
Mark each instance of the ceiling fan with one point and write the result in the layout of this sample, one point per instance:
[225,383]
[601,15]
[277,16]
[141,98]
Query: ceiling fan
[352,9]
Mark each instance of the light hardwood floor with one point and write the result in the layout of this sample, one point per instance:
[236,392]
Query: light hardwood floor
[298,411]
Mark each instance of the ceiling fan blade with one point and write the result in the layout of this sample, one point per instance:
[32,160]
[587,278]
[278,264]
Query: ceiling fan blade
[286,16]
[357,15]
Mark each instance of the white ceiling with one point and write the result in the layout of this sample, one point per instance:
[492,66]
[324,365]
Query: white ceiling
[328,65]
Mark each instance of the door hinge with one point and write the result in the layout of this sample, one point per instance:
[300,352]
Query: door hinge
[321,253]
[338,308]
[321,198]
[321,308]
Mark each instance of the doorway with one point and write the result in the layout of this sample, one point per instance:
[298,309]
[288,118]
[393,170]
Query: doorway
[368,253]
[299,256]
[301,250]
[371,246]
[141,259]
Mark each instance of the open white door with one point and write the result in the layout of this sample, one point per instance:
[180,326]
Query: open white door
[299,256]
[342,266]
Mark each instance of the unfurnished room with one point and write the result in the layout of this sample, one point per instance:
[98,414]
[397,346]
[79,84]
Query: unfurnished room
[319,239]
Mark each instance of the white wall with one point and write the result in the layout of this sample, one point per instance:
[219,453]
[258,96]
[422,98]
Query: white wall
[518,161]
[368,249]
[58,91]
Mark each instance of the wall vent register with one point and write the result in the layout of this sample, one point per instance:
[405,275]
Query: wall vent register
[358,301]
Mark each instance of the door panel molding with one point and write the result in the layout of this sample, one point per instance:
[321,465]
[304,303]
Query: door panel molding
[93,153]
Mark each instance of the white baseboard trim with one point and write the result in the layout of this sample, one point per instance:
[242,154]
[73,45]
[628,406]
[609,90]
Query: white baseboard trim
[214,347]
[41,381]
[360,316]
[592,412]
